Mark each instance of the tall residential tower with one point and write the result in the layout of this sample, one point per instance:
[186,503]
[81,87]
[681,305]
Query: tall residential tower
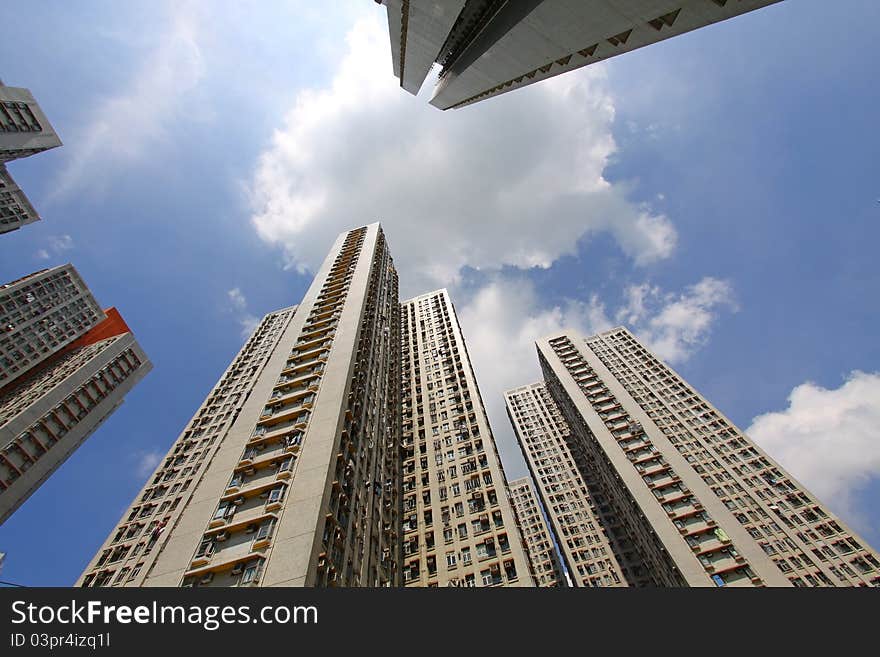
[459,528]
[65,366]
[345,446]
[301,486]
[24,131]
[537,539]
[697,501]
[131,549]
[594,551]
[489,47]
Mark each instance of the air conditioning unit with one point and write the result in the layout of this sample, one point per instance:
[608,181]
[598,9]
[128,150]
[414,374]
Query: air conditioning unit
[237,569]
[222,536]
[206,578]
[238,501]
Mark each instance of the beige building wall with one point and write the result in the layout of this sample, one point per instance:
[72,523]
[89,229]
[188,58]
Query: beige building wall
[302,489]
[704,505]
[128,555]
[808,544]
[594,548]
[537,540]
[459,528]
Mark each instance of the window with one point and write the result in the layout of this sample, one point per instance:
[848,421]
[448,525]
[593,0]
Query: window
[251,572]
[206,548]
[265,530]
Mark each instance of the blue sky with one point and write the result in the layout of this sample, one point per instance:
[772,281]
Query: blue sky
[717,192]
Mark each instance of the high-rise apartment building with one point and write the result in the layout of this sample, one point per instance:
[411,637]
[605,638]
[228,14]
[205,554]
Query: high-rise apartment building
[697,501]
[127,556]
[489,47]
[40,314]
[303,487]
[459,528]
[24,130]
[595,553]
[290,474]
[538,541]
[65,366]
[15,208]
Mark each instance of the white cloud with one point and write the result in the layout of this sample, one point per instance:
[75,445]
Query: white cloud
[57,244]
[126,127]
[679,324]
[502,320]
[238,305]
[237,299]
[828,440]
[147,462]
[516,180]
[60,243]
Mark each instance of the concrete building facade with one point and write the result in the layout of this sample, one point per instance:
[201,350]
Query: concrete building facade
[544,562]
[15,208]
[489,47]
[24,131]
[702,504]
[65,366]
[298,478]
[302,488]
[129,553]
[459,528]
[40,314]
[595,552]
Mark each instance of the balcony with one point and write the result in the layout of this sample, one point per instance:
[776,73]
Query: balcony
[266,472]
[299,366]
[314,339]
[298,416]
[304,393]
[220,564]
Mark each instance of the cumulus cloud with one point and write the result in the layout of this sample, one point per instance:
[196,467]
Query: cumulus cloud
[678,324]
[237,299]
[502,320]
[828,440]
[123,128]
[57,244]
[515,180]
[147,462]
[238,306]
